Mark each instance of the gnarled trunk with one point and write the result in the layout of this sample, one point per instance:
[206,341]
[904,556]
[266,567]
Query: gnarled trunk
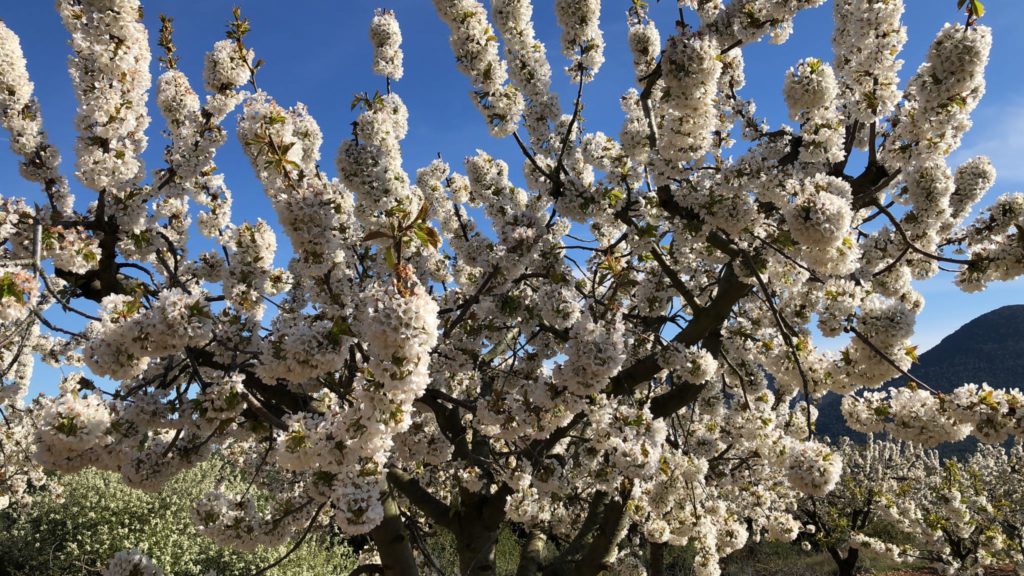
[657,559]
[392,542]
[476,552]
[531,559]
[847,566]
[476,532]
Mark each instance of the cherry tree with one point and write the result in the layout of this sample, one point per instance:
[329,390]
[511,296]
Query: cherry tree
[999,472]
[618,356]
[900,501]
[952,518]
[847,521]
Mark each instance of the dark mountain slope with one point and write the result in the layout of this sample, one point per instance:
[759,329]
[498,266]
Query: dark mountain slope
[988,349]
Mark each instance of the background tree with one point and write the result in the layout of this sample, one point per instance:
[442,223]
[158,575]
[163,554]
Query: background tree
[999,470]
[854,518]
[952,520]
[98,516]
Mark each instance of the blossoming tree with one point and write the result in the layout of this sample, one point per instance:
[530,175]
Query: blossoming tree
[876,477]
[952,517]
[648,382]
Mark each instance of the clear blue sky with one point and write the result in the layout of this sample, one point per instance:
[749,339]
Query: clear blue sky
[317,52]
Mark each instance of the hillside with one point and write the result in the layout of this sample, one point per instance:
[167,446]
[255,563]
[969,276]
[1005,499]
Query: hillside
[988,349]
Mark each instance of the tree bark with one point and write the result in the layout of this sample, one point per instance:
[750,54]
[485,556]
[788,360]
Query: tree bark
[588,553]
[476,552]
[613,526]
[476,531]
[657,567]
[846,566]
[531,559]
[392,542]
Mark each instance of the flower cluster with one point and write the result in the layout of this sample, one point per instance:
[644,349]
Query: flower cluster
[399,334]
[820,215]
[238,522]
[227,66]
[691,68]
[128,334]
[810,91]
[943,93]
[19,292]
[529,69]
[813,469]
[251,275]
[386,37]
[995,242]
[867,38]
[19,115]
[131,563]
[689,364]
[644,42]
[476,50]
[371,163]
[110,73]
[582,39]
[596,355]
[72,427]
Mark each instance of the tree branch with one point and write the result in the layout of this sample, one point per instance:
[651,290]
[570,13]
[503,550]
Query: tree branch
[295,546]
[730,291]
[438,512]
[531,557]
[598,554]
[392,542]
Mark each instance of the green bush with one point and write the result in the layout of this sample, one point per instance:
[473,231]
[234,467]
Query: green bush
[100,516]
[506,554]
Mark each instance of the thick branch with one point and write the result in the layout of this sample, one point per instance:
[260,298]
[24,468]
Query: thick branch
[598,555]
[532,556]
[420,497]
[392,542]
[657,560]
[730,291]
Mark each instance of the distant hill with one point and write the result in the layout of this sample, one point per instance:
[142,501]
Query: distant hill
[988,349]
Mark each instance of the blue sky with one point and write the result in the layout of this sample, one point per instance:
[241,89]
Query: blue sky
[317,52]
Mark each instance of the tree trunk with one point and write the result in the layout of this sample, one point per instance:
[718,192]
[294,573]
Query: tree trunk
[476,532]
[657,567]
[531,558]
[595,558]
[476,528]
[848,566]
[590,550]
[392,542]
[476,552]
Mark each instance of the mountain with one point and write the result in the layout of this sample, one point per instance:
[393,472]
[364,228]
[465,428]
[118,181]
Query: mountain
[988,349]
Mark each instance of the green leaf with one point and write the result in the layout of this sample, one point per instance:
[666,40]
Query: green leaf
[421,236]
[614,196]
[9,287]
[911,352]
[977,8]
[432,237]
